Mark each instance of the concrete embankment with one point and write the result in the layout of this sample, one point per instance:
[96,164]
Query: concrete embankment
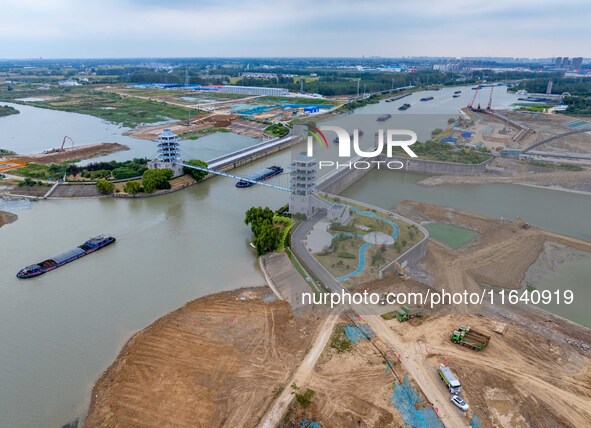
[339,180]
[223,163]
[432,167]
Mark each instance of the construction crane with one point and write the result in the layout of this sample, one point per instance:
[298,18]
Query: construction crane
[474,97]
[64,142]
[490,98]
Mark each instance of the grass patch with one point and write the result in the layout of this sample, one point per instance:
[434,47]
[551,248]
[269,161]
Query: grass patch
[339,340]
[534,107]
[564,166]
[346,255]
[276,130]
[434,150]
[193,135]
[126,111]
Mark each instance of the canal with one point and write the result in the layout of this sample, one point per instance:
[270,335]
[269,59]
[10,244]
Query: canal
[61,330]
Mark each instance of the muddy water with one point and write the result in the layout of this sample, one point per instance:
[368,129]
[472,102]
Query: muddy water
[61,330]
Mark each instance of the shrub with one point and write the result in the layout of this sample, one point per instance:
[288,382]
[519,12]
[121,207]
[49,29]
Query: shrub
[156,179]
[105,186]
[132,187]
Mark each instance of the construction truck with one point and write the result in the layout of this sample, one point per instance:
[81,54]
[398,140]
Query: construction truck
[405,313]
[470,338]
[452,382]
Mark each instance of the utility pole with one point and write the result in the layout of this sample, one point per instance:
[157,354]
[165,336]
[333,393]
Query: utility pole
[358,82]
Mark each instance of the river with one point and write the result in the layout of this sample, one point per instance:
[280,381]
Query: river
[37,129]
[61,330]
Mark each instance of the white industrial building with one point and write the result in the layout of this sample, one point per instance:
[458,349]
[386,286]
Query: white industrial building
[254,90]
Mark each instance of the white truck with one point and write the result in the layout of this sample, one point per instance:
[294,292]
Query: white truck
[454,385]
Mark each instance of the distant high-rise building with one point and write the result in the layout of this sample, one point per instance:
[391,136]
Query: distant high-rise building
[558,61]
[577,63]
[565,62]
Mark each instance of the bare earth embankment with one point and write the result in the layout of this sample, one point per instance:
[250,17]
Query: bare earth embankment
[579,181]
[72,153]
[217,361]
[7,218]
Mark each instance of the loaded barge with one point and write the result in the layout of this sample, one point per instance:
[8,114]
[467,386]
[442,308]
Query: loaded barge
[90,246]
[260,176]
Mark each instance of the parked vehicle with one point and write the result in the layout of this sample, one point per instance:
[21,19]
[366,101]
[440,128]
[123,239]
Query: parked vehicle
[470,338]
[405,313]
[459,401]
[453,384]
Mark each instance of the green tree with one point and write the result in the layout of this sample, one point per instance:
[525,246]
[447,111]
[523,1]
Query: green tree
[132,187]
[195,173]
[377,259]
[156,179]
[105,186]
[267,236]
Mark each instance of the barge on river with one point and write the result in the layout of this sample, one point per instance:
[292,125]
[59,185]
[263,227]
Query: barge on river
[261,175]
[90,246]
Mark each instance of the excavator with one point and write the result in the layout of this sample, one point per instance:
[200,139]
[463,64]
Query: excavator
[64,142]
[522,223]
[61,149]
[400,271]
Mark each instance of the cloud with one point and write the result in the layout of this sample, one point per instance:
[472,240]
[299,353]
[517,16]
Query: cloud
[159,28]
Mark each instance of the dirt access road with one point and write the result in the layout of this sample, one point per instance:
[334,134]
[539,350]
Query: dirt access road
[413,359]
[302,374]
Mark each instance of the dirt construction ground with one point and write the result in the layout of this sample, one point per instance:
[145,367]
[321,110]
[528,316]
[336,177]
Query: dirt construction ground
[217,361]
[72,153]
[524,378]
[500,243]
[351,388]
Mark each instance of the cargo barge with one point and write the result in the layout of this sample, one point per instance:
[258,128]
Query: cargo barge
[384,117]
[404,106]
[90,246]
[261,175]
[426,99]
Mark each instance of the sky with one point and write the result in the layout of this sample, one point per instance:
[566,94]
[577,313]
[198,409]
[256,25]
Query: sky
[286,28]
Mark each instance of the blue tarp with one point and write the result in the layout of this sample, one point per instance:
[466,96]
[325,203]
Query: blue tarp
[310,424]
[404,399]
[359,332]
[475,422]
[448,140]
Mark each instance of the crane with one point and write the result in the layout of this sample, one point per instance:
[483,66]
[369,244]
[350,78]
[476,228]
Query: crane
[474,97]
[490,98]
[64,142]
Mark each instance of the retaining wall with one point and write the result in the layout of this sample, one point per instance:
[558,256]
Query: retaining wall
[336,182]
[432,167]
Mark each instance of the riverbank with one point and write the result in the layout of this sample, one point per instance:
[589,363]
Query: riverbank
[221,359]
[86,151]
[576,181]
[500,256]
[7,218]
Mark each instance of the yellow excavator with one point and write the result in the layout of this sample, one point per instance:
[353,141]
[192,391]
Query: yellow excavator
[400,271]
